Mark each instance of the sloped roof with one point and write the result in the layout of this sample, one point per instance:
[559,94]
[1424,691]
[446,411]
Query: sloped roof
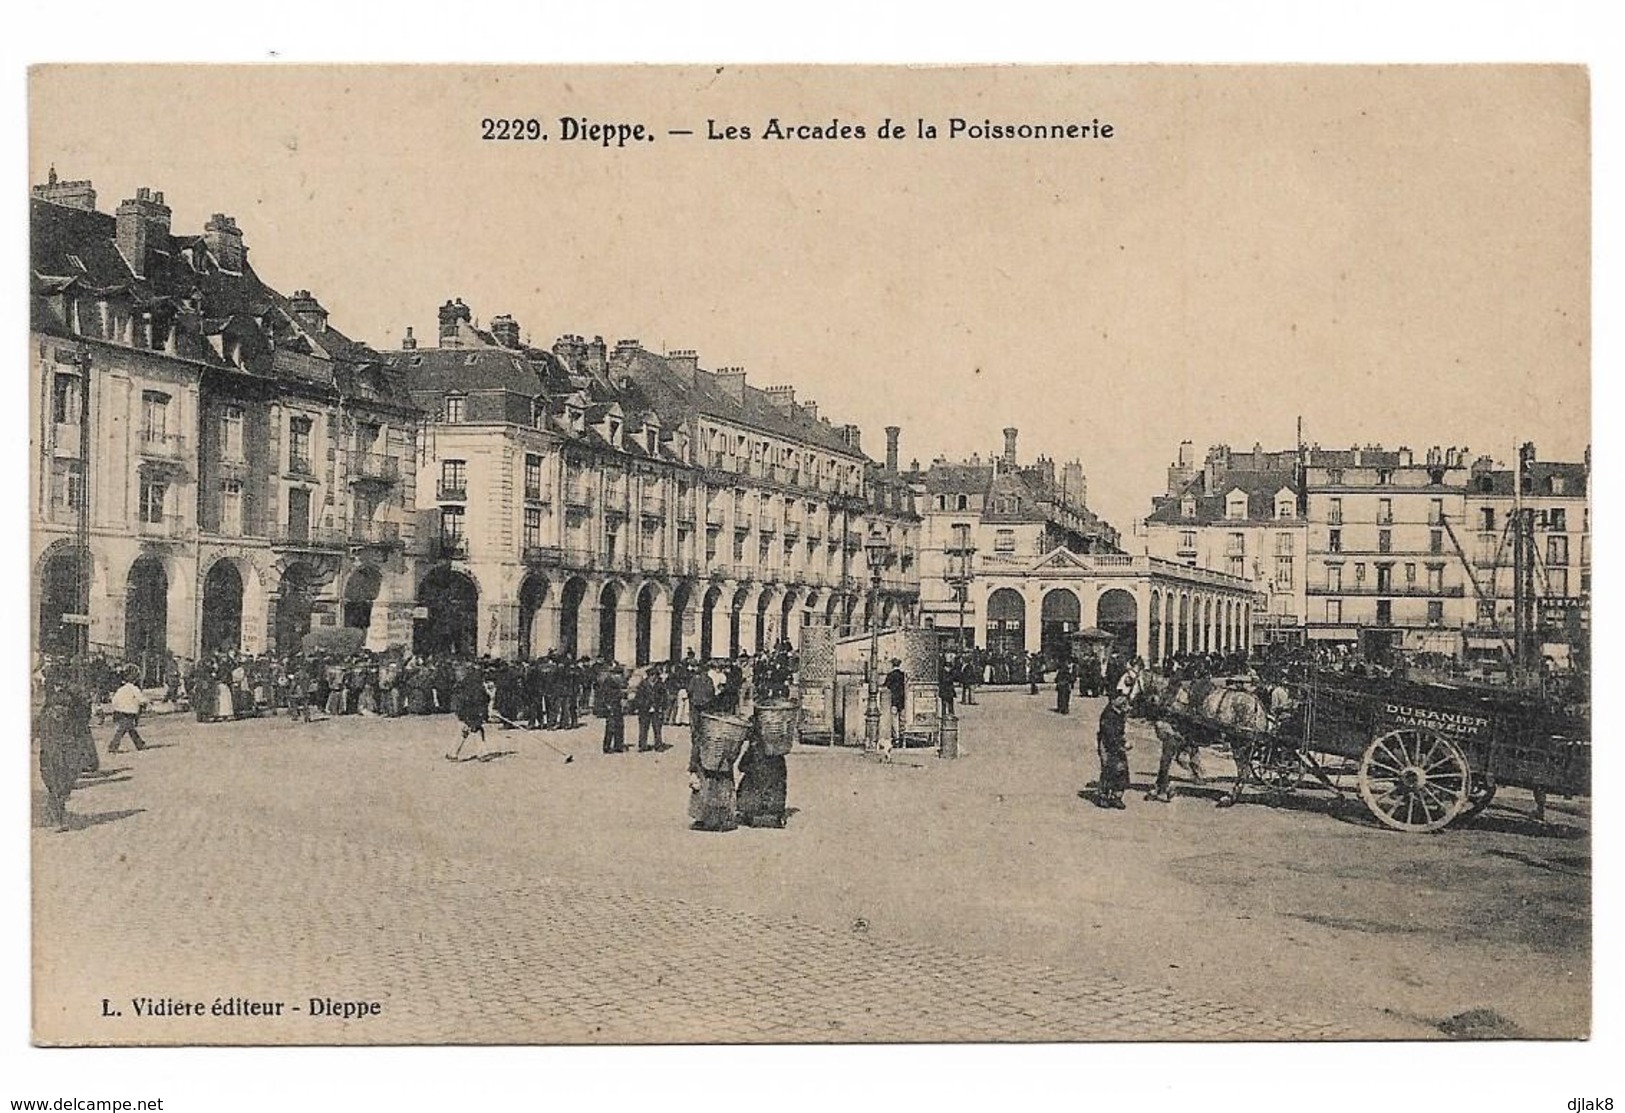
[439,370]
[1261,487]
[73,249]
[1540,473]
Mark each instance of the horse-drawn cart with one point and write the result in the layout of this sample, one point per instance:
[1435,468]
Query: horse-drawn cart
[1422,755]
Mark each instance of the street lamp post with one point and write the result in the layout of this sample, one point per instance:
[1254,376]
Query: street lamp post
[877,550]
[958,575]
[82,522]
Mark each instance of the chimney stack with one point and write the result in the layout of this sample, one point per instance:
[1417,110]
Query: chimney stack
[892,433]
[686,362]
[597,356]
[506,330]
[783,399]
[224,240]
[410,343]
[452,315]
[308,311]
[732,382]
[1010,447]
[853,436]
[139,222]
[73,195]
[811,410]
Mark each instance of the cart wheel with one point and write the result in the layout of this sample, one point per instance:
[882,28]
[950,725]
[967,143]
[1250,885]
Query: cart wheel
[1413,780]
[1278,767]
[1479,795]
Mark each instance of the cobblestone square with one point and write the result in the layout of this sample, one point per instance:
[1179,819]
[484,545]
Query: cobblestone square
[525,899]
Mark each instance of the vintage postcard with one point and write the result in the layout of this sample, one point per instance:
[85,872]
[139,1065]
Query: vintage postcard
[712,554]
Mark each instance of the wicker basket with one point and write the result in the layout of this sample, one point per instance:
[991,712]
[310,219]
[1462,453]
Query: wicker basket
[777,721]
[721,737]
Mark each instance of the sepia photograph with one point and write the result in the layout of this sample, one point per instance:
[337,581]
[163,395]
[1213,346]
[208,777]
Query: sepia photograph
[713,554]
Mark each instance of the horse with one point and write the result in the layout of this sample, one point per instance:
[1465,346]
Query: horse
[1188,714]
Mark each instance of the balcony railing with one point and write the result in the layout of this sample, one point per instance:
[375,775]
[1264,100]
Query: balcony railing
[449,548]
[542,554]
[456,491]
[165,527]
[374,467]
[768,525]
[536,494]
[742,522]
[374,533]
[651,562]
[300,465]
[1418,591]
[578,498]
[298,536]
[685,510]
[713,516]
[654,506]
[159,445]
[792,529]
[573,556]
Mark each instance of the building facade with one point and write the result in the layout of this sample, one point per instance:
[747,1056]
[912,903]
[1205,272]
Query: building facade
[240,464]
[998,514]
[1241,513]
[625,504]
[1556,498]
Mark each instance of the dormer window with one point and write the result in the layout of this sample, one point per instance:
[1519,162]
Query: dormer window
[1187,508]
[1283,506]
[650,436]
[454,408]
[1235,505]
[1554,484]
[614,432]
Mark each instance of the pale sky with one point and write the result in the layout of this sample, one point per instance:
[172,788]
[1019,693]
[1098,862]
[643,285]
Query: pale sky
[1398,255]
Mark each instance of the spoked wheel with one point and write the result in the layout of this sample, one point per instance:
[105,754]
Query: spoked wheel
[1279,768]
[1413,780]
[1479,795]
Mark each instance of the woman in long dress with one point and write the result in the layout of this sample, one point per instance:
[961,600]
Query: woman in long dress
[712,803]
[763,785]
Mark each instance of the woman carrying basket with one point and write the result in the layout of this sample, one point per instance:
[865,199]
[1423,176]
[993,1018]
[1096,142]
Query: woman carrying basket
[711,801]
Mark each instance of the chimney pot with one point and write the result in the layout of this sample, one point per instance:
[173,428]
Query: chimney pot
[1010,446]
[893,432]
[410,342]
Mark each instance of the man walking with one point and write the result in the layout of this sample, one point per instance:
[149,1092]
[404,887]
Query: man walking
[1063,687]
[896,685]
[127,704]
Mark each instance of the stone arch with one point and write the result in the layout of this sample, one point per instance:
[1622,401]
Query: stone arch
[1118,613]
[452,598]
[536,598]
[651,631]
[682,597]
[297,589]
[765,632]
[58,582]
[1006,630]
[572,596]
[1184,627]
[1060,614]
[708,617]
[610,598]
[361,588]
[146,615]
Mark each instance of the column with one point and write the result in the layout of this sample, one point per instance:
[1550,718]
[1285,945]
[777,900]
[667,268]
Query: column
[1142,625]
[660,631]
[1032,622]
[626,628]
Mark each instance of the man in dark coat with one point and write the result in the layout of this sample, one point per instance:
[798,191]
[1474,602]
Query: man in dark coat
[612,705]
[1063,687]
[1113,747]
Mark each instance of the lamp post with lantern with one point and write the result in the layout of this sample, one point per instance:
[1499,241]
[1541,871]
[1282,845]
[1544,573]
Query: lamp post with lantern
[878,551]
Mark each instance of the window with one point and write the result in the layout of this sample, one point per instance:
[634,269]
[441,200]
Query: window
[1385,541]
[1486,519]
[1385,612]
[1557,552]
[942,502]
[961,503]
[231,434]
[1385,578]
[1359,573]
[1385,476]
[1385,512]
[65,402]
[533,527]
[1436,542]
[1187,508]
[153,494]
[1334,610]
[710,547]
[1334,511]
[453,479]
[1283,508]
[1557,581]
[1235,507]
[1410,573]
[451,526]
[1435,612]
[1556,484]
[1284,545]
[231,508]
[1237,566]
[1334,577]
[739,548]
[299,445]
[961,538]
[1005,541]
[1557,520]
[1236,544]
[533,476]
[454,408]
[69,484]
[1283,572]
[154,415]
[1435,579]
[1187,540]
[1334,541]
[1334,477]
